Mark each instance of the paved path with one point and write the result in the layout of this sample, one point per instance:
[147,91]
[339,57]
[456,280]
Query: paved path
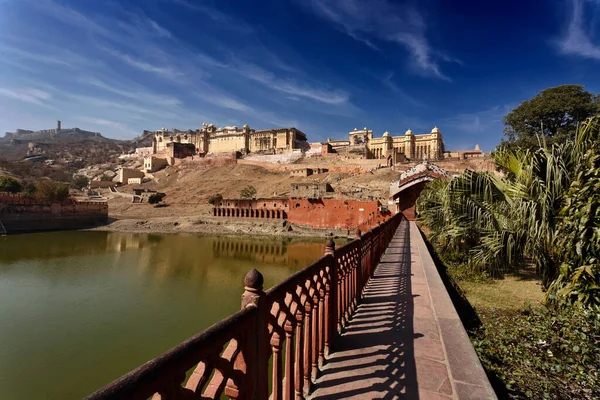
[392,347]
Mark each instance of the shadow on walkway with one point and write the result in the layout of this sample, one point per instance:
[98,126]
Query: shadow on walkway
[374,357]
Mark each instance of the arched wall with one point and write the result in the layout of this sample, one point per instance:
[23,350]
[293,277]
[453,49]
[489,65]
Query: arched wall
[407,199]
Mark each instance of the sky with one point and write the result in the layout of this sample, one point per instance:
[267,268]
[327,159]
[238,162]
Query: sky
[324,66]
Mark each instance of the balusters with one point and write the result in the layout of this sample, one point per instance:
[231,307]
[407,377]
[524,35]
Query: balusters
[289,361]
[308,338]
[277,370]
[315,334]
[299,349]
[321,328]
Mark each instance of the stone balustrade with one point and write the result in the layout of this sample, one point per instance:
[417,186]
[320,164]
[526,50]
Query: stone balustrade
[277,344]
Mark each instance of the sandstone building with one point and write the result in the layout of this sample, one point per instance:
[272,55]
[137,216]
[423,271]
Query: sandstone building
[212,140]
[428,146]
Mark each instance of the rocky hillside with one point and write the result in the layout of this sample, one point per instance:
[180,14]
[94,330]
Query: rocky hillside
[59,155]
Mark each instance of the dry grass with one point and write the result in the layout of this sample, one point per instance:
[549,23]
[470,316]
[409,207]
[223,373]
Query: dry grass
[508,294]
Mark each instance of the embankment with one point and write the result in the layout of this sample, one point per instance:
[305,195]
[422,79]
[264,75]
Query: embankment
[19,215]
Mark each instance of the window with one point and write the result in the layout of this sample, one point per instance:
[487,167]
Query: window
[297,205]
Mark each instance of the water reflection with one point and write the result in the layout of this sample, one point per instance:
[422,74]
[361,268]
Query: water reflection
[71,300]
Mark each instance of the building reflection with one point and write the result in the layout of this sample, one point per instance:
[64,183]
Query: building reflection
[155,258]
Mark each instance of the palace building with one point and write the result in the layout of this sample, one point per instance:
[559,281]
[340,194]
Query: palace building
[428,146]
[229,139]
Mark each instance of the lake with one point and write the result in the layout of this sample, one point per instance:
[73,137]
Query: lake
[79,309]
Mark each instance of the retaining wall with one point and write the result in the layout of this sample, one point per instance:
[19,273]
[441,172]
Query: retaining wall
[32,217]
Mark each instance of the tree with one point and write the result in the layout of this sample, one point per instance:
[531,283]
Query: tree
[50,191]
[545,211]
[551,116]
[156,198]
[503,223]
[578,237]
[248,192]
[214,198]
[79,182]
[10,185]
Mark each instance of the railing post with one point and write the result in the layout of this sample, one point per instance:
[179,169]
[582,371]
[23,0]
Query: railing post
[359,269]
[331,305]
[258,342]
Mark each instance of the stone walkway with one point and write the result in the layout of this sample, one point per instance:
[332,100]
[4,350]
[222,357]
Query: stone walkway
[392,346]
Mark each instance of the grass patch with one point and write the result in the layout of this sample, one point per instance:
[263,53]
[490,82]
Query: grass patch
[508,294]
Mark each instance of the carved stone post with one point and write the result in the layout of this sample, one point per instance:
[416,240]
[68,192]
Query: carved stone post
[331,304]
[257,362]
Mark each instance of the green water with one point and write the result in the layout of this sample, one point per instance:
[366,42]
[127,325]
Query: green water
[79,309]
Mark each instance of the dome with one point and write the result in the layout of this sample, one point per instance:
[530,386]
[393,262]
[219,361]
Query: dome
[409,132]
[355,129]
[435,130]
[386,133]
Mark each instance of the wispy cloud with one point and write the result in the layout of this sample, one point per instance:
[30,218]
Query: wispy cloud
[386,22]
[214,14]
[289,86]
[73,18]
[478,122]
[28,95]
[106,124]
[388,81]
[162,71]
[576,40]
[133,93]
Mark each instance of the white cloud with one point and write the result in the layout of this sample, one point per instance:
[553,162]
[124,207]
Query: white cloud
[479,121]
[387,22]
[575,40]
[163,72]
[107,124]
[216,15]
[28,95]
[388,81]
[142,96]
[289,86]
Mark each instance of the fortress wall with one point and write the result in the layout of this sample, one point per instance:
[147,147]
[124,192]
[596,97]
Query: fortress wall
[334,214]
[34,216]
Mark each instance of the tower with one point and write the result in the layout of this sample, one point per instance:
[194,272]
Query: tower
[57,125]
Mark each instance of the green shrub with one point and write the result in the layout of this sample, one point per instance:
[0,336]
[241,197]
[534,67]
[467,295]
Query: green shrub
[156,198]
[543,354]
[79,182]
[10,185]
[248,192]
[48,190]
[214,198]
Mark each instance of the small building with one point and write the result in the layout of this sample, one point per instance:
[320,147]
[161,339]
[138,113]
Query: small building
[126,173]
[153,164]
[101,184]
[310,190]
[273,208]
[464,154]
[143,151]
[302,172]
[134,181]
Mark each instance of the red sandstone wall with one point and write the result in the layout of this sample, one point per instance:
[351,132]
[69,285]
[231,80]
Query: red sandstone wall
[332,213]
[408,199]
[30,217]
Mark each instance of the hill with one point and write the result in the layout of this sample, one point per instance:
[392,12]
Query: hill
[58,154]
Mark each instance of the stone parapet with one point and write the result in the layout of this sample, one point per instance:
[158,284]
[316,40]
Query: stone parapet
[466,373]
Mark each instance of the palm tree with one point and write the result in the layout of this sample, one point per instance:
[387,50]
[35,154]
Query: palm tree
[503,220]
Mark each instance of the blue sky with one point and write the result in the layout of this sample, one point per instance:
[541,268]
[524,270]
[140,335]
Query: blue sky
[326,67]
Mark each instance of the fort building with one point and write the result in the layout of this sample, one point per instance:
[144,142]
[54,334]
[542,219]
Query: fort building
[229,139]
[311,190]
[410,146]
